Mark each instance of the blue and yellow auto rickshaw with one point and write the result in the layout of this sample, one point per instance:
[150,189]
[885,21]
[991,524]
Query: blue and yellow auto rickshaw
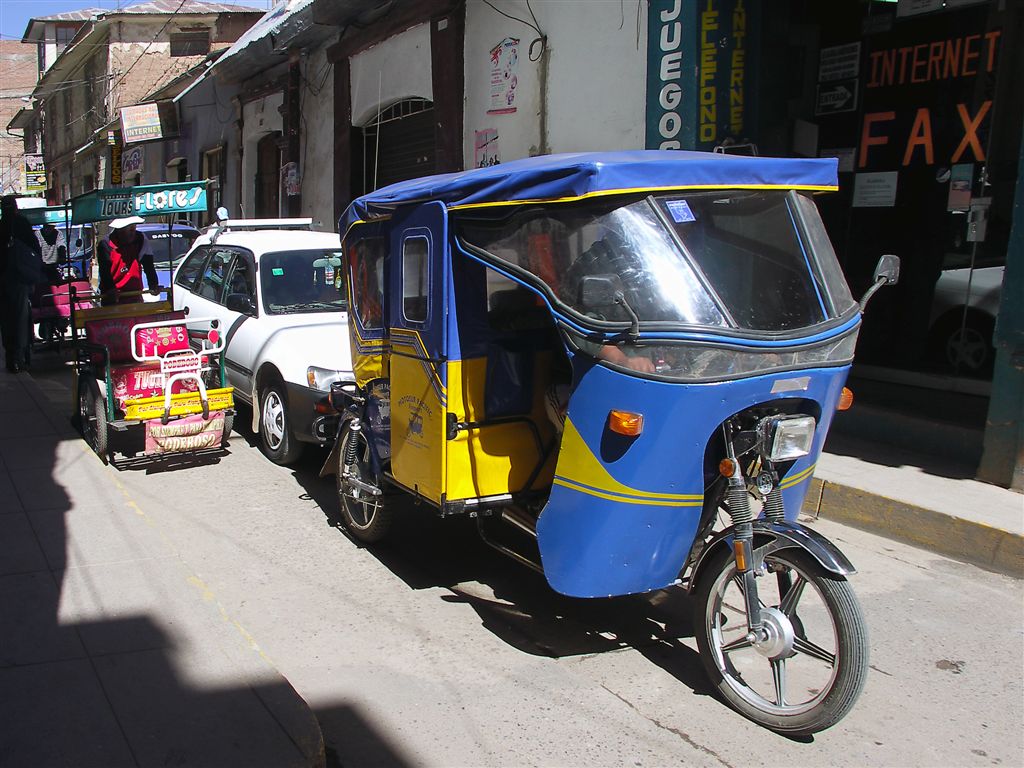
[601,356]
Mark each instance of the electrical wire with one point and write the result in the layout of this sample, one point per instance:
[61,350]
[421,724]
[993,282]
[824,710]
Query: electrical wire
[542,40]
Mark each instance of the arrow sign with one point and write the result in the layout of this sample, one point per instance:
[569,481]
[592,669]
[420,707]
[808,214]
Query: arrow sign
[839,96]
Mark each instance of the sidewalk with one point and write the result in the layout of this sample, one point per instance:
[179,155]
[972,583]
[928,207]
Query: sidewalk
[112,653]
[921,496]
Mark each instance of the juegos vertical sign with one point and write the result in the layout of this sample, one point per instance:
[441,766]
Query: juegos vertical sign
[671,74]
[699,85]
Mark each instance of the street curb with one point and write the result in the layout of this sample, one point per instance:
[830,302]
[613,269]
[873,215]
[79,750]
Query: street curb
[991,548]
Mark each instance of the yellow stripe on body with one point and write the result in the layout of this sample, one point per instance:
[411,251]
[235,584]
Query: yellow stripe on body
[798,478]
[644,190]
[626,499]
[577,465]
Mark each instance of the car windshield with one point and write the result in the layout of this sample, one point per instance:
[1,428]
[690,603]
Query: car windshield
[731,259]
[180,242]
[302,281]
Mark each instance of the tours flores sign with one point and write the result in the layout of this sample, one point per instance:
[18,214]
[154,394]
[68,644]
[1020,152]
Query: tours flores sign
[699,87]
[153,200]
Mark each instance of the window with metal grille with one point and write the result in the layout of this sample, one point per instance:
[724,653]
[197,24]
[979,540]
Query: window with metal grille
[191,43]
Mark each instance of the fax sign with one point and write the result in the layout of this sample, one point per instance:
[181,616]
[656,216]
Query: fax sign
[835,97]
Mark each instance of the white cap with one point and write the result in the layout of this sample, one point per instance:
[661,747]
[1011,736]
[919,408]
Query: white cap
[126,221]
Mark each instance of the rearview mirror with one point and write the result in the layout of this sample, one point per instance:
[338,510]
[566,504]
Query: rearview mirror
[599,290]
[78,243]
[886,273]
[888,268]
[241,303]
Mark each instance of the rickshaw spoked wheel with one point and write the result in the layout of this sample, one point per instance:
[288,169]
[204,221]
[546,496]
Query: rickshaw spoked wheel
[810,671]
[92,416]
[367,517]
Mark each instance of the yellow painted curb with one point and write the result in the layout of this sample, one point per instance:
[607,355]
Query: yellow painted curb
[991,548]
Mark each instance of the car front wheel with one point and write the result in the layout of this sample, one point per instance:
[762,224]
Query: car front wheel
[276,438]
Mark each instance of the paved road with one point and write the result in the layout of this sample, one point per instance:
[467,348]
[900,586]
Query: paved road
[433,650]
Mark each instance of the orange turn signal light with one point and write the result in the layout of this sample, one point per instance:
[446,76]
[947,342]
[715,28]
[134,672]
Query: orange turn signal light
[845,399]
[727,467]
[626,423]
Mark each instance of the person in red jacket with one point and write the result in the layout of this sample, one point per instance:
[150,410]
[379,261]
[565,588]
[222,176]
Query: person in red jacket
[123,257]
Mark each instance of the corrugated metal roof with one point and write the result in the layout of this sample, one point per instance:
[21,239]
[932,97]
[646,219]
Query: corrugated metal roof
[175,6]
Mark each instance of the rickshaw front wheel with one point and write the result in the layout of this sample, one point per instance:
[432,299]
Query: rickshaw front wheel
[809,670]
[366,516]
[92,416]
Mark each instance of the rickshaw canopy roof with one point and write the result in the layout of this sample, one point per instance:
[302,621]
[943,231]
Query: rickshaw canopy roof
[574,176]
[150,200]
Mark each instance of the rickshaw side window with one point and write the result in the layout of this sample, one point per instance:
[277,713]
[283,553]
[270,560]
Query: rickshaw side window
[366,274]
[415,279]
[192,268]
[831,272]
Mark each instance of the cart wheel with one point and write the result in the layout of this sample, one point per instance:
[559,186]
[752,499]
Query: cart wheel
[229,424]
[367,517]
[809,672]
[279,444]
[92,416]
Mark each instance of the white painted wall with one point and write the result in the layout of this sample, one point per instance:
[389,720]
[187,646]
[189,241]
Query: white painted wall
[398,68]
[317,141]
[259,118]
[596,77]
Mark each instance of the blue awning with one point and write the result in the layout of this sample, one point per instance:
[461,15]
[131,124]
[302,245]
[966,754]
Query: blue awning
[567,177]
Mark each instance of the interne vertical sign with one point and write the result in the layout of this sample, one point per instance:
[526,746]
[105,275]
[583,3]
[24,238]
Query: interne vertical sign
[698,72]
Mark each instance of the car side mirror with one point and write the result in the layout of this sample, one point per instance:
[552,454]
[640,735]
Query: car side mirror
[887,272]
[599,291]
[241,303]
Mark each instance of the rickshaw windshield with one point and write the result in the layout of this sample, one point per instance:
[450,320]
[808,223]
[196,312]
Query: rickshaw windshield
[729,259]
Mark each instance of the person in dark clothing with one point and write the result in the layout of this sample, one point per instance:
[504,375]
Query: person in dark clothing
[123,257]
[20,268]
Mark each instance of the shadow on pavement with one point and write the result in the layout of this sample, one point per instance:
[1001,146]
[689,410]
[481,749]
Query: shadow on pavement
[515,603]
[108,656]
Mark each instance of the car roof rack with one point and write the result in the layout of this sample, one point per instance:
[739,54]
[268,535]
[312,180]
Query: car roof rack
[252,225]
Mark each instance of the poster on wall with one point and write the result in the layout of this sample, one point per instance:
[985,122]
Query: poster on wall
[875,190]
[290,179]
[485,148]
[504,76]
[131,161]
[35,174]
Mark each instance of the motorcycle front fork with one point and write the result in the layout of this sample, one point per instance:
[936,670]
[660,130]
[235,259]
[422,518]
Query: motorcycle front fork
[738,500]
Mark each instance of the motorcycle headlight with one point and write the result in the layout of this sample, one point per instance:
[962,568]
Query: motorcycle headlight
[787,437]
[322,378]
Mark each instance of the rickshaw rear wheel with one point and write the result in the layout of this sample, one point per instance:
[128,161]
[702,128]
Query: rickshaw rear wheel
[367,517]
[802,681]
[92,416]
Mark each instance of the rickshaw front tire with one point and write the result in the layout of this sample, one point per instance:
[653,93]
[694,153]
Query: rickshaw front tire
[851,637]
[229,425]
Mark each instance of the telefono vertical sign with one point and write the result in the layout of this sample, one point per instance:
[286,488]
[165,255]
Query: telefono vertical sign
[699,84]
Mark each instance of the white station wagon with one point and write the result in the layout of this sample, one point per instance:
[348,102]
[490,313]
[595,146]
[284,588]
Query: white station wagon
[276,286]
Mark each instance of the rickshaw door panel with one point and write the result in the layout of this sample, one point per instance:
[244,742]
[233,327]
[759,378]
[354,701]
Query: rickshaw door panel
[417,335]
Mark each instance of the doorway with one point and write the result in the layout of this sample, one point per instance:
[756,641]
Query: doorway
[268,177]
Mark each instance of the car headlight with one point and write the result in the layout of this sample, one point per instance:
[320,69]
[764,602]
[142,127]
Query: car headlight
[322,378]
[787,437]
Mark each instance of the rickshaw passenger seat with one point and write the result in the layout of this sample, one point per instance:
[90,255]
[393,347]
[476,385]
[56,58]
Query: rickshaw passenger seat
[508,388]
